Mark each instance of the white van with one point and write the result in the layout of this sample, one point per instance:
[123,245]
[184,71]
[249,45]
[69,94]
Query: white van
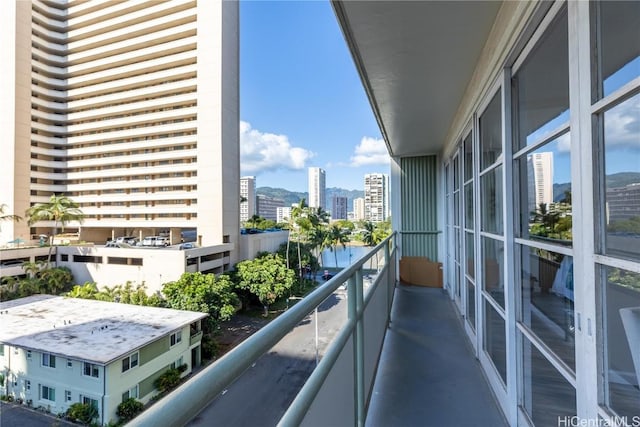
[155,241]
[129,240]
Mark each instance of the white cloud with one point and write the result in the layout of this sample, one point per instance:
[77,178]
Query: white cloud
[370,151]
[622,124]
[260,152]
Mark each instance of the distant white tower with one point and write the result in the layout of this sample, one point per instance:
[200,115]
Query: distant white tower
[317,188]
[248,206]
[376,197]
[358,209]
[541,181]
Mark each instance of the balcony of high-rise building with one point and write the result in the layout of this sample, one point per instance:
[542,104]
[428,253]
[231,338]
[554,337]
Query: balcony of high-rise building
[538,320]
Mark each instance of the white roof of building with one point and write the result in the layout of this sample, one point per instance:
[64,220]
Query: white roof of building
[95,331]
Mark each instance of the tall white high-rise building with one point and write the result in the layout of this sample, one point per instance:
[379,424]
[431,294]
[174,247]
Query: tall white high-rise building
[376,197]
[541,180]
[338,207]
[358,209]
[317,188]
[130,108]
[248,206]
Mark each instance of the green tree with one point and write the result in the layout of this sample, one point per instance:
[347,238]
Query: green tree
[367,234]
[7,217]
[128,409]
[83,413]
[55,280]
[337,237]
[267,277]
[60,209]
[87,291]
[205,293]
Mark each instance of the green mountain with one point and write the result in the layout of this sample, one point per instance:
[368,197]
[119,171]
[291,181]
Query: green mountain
[291,197]
[614,180]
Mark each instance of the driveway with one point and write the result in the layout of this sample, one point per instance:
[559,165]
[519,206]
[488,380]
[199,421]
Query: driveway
[12,415]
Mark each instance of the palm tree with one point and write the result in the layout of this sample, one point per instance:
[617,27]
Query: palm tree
[367,234]
[337,237]
[7,217]
[60,209]
[298,217]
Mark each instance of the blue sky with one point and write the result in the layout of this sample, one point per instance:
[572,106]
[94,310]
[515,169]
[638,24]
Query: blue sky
[301,101]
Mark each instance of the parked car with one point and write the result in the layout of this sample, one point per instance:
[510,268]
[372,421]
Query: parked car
[187,245]
[155,241]
[129,240]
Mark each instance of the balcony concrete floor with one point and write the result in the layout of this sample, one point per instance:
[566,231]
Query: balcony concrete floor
[428,374]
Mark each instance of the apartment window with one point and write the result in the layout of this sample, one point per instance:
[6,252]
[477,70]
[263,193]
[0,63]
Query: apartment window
[615,104]
[29,354]
[67,395]
[176,338]
[47,393]
[91,370]
[48,360]
[131,393]
[27,385]
[1,349]
[130,362]
[69,363]
[90,401]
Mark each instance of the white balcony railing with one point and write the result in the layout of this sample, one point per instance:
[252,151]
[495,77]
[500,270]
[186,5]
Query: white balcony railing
[345,373]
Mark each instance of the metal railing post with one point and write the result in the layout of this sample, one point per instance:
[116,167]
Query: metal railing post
[359,350]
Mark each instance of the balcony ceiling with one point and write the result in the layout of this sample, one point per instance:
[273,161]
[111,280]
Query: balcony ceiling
[415,59]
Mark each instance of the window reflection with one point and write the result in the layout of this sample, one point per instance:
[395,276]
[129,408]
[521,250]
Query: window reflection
[541,86]
[491,202]
[495,339]
[548,397]
[468,158]
[547,300]
[471,304]
[490,127]
[468,206]
[621,320]
[492,264]
[622,179]
[470,254]
[545,192]
[619,49]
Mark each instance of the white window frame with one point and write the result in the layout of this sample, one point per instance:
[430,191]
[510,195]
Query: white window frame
[129,358]
[49,389]
[67,396]
[175,338]
[49,359]
[93,368]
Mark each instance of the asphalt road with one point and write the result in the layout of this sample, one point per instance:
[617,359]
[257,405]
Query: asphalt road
[12,415]
[263,393]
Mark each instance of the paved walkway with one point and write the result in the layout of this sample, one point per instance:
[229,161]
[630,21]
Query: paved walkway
[428,374]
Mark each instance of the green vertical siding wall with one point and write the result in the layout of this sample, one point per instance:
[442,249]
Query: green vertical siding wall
[418,200]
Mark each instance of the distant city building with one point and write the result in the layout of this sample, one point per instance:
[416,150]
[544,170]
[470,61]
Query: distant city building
[56,351]
[623,203]
[540,179]
[376,197]
[268,207]
[317,188]
[283,214]
[248,206]
[338,207]
[358,209]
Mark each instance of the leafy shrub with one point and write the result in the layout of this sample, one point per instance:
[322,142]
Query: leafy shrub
[82,412]
[129,409]
[209,347]
[168,380]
